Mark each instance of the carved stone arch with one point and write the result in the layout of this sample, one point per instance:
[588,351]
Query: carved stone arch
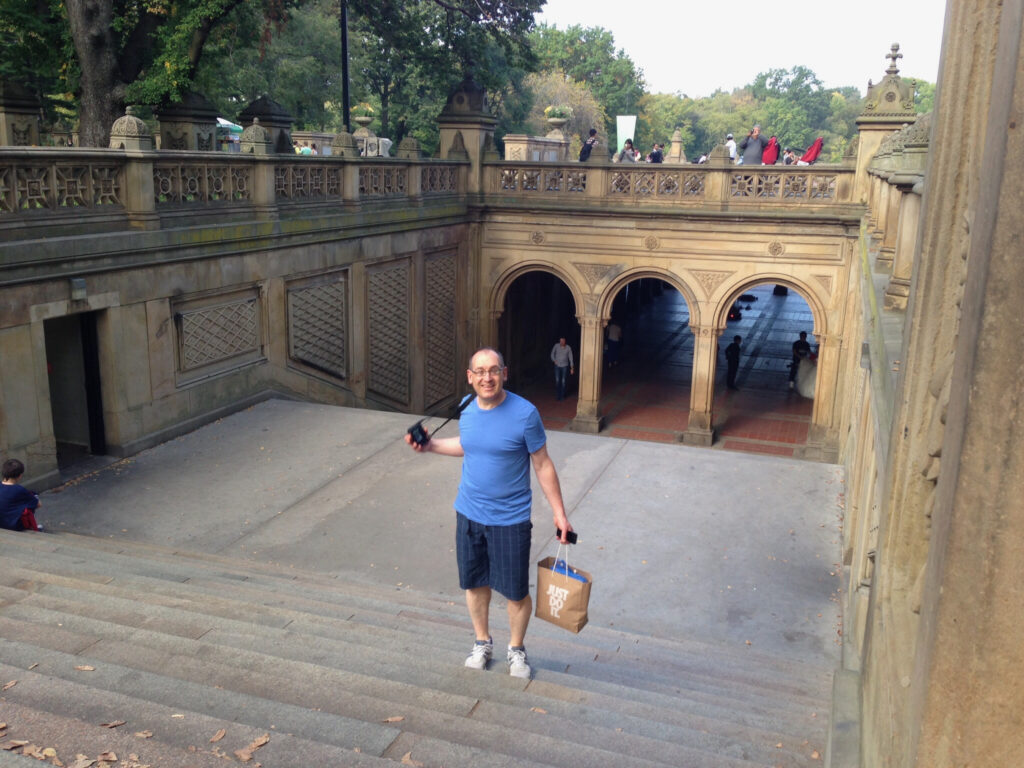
[810,293]
[499,291]
[604,305]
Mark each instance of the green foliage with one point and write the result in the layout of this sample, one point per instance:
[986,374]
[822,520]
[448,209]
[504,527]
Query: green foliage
[588,55]
[924,97]
[555,88]
[37,53]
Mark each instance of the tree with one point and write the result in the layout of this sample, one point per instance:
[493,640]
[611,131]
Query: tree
[588,55]
[555,88]
[150,51]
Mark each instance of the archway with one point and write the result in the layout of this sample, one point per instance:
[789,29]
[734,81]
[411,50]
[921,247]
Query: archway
[767,411]
[537,309]
[645,384]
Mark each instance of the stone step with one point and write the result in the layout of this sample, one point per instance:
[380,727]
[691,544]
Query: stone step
[213,620]
[283,581]
[119,605]
[658,655]
[470,737]
[283,646]
[69,717]
[425,711]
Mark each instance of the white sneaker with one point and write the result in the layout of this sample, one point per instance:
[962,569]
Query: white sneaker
[480,655]
[517,664]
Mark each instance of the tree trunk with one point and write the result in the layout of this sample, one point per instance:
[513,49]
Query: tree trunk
[101,91]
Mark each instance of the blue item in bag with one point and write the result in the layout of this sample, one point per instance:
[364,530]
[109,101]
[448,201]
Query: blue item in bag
[563,569]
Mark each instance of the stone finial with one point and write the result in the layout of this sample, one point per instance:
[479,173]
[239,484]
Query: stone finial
[468,99]
[130,132]
[719,156]
[255,140]
[409,149]
[274,119]
[851,148]
[894,55]
[19,115]
[892,99]
[188,124]
[344,145]
[675,151]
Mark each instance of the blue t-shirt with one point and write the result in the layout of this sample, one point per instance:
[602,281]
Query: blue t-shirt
[14,499]
[495,485]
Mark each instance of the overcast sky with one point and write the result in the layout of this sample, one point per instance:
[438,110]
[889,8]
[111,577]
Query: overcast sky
[683,48]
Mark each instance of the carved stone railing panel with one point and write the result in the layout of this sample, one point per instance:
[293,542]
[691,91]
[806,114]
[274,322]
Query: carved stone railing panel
[27,185]
[441,282]
[376,181]
[388,320]
[674,184]
[318,326]
[199,183]
[214,333]
[439,180]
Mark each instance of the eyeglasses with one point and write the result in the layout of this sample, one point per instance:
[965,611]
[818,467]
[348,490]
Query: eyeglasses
[494,372]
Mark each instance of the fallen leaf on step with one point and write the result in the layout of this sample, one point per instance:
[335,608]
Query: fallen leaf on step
[12,744]
[219,735]
[407,760]
[33,667]
[8,686]
[2,726]
[112,724]
[107,757]
[81,761]
[85,668]
[395,719]
[178,717]
[357,749]
[144,734]
[779,745]
[245,754]
[49,752]
[815,755]
[33,751]
[538,710]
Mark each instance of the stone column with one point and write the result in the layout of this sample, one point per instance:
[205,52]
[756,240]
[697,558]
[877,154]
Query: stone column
[699,430]
[887,251]
[826,386]
[467,131]
[591,365]
[898,289]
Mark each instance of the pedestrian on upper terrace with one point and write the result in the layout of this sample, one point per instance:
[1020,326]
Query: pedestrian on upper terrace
[561,356]
[752,147]
[500,436]
[789,157]
[17,504]
[730,144]
[732,362]
[628,154]
[801,351]
[588,146]
[656,155]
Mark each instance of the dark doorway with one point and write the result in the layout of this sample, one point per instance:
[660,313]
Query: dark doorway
[539,308]
[73,367]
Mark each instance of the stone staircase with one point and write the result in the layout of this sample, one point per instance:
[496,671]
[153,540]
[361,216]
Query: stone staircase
[183,647]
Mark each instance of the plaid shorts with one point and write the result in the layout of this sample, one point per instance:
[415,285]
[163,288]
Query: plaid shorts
[495,556]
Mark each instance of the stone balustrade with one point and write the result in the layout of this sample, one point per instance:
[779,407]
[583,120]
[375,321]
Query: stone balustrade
[47,191]
[801,187]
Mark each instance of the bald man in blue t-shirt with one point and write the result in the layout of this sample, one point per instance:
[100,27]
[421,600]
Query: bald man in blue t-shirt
[500,436]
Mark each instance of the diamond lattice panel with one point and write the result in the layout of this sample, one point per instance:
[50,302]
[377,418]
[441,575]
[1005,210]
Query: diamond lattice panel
[317,327]
[440,341]
[388,300]
[215,333]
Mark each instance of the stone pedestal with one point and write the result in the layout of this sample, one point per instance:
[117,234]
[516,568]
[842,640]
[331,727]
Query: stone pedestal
[275,120]
[190,124]
[466,130]
[19,116]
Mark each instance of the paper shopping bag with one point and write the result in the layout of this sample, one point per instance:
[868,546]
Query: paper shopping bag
[563,593]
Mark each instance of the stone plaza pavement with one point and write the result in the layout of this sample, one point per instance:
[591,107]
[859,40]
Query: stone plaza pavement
[681,541]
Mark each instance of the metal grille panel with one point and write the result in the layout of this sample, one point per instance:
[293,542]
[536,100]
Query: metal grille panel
[211,334]
[388,301]
[318,327]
